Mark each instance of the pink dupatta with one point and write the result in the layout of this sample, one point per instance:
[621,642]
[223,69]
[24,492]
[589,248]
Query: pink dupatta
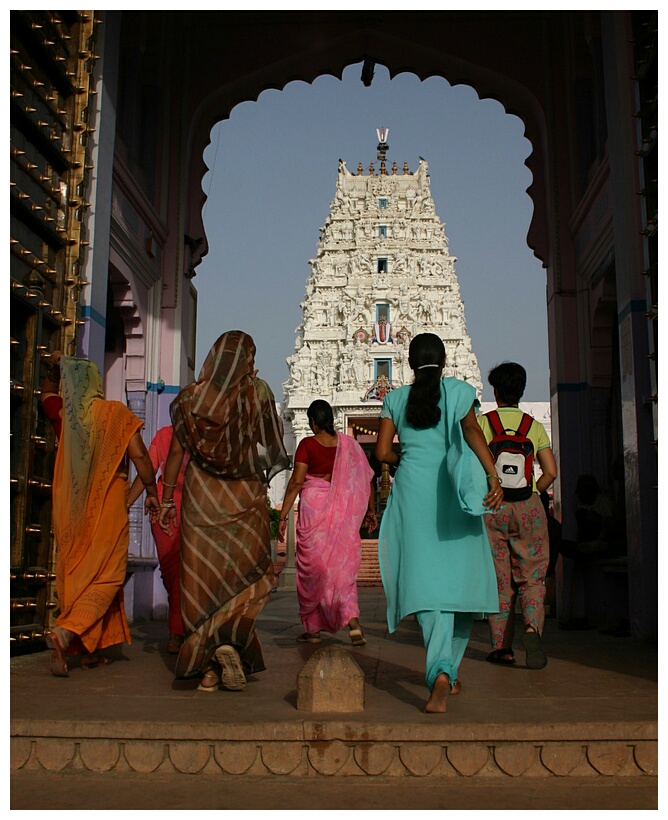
[328,540]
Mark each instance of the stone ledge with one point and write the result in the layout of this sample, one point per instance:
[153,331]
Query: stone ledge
[464,759]
[348,730]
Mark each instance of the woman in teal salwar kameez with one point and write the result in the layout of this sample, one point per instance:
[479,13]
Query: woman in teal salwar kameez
[433,549]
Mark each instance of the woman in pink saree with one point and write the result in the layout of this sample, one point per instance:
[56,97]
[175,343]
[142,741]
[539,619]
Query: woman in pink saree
[336,496]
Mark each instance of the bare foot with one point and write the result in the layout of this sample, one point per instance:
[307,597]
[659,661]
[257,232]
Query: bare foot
[438,700]
[456,687]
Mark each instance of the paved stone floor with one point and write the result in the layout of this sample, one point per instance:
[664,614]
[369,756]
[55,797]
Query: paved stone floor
[597,692]
[42,791]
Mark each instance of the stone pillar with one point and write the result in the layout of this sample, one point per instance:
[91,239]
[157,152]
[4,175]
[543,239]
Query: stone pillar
[137,404]
[330,681]
[288,577]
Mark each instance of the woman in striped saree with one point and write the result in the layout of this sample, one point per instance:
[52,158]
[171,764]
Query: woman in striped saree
[227,422]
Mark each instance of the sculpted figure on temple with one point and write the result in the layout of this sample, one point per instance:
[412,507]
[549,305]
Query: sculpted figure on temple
[365,307]
[399,264]
[296,379]
[324,371]
[418,201]
[403,371]
[404,302]
[360,363]
[461,355]
[335,311]
[455,325]
[429,307]
[365,265]
[346,372]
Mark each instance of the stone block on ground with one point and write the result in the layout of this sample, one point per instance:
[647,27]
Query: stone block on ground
[330,681]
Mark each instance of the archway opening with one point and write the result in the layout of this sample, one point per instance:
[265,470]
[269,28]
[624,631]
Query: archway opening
[272,176]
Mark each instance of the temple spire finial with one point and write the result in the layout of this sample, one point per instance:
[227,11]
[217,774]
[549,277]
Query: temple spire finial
[382,148]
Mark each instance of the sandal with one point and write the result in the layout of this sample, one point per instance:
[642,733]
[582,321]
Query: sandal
[174,644]
[357,636]
[506,657]
[309,637]
[58,643]
[232,677]
[210,681]
[91,660]
[536,658]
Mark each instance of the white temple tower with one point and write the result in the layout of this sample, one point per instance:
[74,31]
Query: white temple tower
[382,273]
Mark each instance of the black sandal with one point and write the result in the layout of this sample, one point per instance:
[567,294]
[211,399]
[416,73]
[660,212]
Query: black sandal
[498,656]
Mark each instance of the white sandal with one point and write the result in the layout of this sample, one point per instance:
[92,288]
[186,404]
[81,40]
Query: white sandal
[232,671]
[214,681]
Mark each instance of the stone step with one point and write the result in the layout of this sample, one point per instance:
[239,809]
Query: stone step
[337,748]
[369,574]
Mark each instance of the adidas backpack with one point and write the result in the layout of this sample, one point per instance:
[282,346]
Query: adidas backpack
[513,457]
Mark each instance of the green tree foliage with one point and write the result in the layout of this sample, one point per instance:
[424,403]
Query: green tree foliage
[274,515]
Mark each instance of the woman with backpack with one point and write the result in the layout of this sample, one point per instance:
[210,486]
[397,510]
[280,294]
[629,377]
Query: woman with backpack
[518,529]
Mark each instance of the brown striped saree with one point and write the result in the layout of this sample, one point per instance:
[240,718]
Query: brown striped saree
[228,423]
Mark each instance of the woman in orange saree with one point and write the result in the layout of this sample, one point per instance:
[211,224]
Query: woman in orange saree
[90,519]
[227,422]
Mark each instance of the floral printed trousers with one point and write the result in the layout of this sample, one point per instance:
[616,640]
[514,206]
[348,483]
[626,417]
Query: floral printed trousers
[520,547]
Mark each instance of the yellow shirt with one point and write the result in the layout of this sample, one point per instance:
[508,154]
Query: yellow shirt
[511,418]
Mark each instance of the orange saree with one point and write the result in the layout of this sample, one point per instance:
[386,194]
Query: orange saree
[90,519]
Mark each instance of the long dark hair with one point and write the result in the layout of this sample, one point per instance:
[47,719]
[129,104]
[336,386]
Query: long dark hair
[426,356]
[321,414]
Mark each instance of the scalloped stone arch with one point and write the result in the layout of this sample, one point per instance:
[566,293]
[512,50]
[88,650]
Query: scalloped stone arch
[515,98]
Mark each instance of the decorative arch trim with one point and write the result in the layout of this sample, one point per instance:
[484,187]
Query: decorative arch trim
[331,59]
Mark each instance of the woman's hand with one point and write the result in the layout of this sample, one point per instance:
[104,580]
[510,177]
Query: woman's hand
[494,497]
[152,508]
[167,515]
[282,529]
[370,521]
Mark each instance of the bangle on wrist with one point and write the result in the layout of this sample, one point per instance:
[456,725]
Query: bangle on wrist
[165,484]
[167,503]
[283,519]
[492,475]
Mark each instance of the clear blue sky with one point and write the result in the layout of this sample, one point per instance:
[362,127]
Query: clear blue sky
[272,175]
